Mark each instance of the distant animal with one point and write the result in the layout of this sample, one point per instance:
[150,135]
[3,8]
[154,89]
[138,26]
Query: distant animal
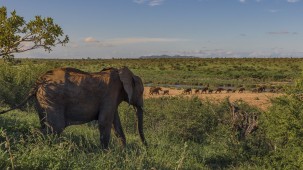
[166,92]
[204,90]
[187,91]
[219,90]
[197,91]
[254,90]
[241,90]
[155,90]
[229,90]
[210,90]
[261,89]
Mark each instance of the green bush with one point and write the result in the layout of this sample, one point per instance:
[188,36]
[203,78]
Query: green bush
[283,124]
[16,81]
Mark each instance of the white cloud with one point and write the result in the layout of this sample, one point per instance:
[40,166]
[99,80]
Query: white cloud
[139,1]
[282,33]
[155,2]
[149,2]
[122,41]
[273,10]
[243,1]
[26,45]
[130,40]
[90,40]
[221,53]
[293,1]
[206,53]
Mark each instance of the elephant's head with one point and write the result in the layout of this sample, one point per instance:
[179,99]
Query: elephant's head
[134,88]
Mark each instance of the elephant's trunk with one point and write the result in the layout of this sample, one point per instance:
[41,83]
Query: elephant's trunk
[140,124]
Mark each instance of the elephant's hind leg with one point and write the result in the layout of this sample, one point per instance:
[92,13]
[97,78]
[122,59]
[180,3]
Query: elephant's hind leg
[41,114]
[54,120]
[118,129]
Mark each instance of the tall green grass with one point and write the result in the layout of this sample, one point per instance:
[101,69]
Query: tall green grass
[182,133]
[16,80]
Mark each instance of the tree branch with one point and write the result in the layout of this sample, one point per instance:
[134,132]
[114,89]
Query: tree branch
[42,32]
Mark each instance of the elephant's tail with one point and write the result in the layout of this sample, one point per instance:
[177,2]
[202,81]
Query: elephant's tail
[31,94]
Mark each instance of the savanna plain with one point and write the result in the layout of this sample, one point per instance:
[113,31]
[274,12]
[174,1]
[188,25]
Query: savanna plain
[252,129]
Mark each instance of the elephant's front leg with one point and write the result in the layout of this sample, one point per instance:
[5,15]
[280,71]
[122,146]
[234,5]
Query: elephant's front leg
[105,121]
[118,129]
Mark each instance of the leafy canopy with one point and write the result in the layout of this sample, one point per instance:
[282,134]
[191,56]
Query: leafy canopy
[17,35]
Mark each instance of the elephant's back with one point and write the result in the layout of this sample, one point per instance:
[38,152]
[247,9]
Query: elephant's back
[70,81]
[61,75]
[74,82]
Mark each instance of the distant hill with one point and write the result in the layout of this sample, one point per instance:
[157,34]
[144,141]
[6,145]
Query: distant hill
[166,56]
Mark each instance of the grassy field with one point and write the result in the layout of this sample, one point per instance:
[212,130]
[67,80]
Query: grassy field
[195,71]
[182,132]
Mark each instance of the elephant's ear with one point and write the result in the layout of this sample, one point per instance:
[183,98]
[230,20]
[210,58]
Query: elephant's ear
[138,91]
[126,76]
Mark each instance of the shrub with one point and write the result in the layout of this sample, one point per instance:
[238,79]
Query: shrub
[181,118]
[15,81]
[283,124]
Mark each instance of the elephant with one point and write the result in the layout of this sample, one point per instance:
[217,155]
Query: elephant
[219,90]
[261,89]
[254,90]
[229,90]
[241,90]
[68,96]
[155,90]
[204,90]
[166,92]
[187,91]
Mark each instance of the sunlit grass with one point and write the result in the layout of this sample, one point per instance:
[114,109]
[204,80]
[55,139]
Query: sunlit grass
[182,133]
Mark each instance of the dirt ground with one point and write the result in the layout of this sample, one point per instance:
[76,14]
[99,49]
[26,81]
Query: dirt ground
[260,100]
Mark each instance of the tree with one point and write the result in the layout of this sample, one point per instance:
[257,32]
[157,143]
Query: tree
[17,35]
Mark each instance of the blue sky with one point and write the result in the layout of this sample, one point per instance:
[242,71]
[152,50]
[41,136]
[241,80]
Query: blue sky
[203,28]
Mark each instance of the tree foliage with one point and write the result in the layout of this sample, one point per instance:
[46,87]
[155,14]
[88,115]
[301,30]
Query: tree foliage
[17,35]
